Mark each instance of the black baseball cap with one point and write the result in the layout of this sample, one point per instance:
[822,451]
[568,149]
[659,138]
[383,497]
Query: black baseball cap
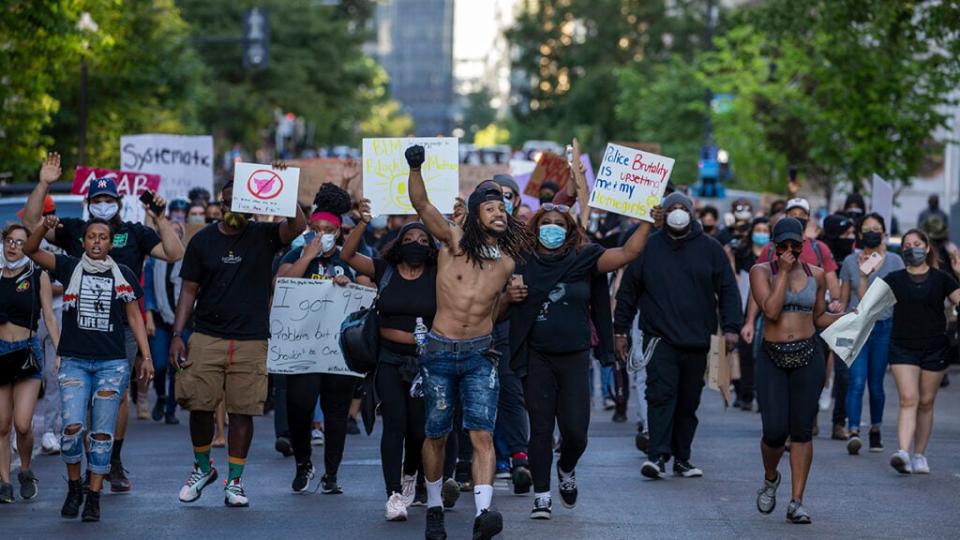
[788,229]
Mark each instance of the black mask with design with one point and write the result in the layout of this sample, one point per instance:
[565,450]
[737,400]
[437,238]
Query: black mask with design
[871,239]
[414,253]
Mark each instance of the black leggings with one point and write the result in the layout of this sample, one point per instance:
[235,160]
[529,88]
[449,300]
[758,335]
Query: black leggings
[788,398]
[403,426]
[335,392]
[557,389]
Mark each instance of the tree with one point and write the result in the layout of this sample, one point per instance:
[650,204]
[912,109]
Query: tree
[479,113]
[387,120]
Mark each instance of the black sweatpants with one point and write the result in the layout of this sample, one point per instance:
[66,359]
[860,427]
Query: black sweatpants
[557,391]
[789,398]
[745,385]
[511,415]
[403,426]
[674,383]
[335,392]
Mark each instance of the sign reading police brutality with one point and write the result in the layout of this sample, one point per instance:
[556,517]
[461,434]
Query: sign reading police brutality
[305,324]
[183,162]
[630,182]
[385,173]
[130,185]
[261,189]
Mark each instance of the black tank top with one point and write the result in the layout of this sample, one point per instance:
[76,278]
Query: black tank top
[20,299]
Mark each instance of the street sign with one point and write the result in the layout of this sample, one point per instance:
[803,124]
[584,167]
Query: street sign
[256,39]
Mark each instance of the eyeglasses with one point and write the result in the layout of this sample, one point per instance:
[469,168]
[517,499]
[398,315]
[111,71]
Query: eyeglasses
[550,207]
[14,242]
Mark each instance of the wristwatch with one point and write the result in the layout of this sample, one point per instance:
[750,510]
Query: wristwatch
[177,334]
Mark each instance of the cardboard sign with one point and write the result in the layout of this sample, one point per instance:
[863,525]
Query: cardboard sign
[881,198]
[305,325]
[630,182]
[317,171]
[385,173]
[130,185]
[550,167]
[183,162]
[263,190]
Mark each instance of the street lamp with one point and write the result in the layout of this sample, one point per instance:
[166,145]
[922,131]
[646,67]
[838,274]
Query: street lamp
[86,24]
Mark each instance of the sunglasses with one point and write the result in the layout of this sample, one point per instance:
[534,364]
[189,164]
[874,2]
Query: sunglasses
[550,207]
[789,245]
[508,195]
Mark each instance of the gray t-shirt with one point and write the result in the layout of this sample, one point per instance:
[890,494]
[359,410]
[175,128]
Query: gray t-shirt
[850,272]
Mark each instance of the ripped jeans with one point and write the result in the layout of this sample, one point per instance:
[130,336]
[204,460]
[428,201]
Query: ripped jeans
[460,372]
[103,382]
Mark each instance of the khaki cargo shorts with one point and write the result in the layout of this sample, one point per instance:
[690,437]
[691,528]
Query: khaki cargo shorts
[228,369]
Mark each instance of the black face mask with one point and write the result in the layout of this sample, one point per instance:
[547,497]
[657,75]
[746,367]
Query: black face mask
[709,228]
[841,247]
[414,253]
[871,239]
[803,223]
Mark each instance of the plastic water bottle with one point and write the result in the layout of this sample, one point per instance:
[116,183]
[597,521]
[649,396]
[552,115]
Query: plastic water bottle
[420,335]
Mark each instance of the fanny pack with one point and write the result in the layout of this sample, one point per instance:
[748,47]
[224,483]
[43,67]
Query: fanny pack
[791,354]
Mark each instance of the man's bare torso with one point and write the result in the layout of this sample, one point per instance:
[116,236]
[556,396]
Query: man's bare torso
[467,293]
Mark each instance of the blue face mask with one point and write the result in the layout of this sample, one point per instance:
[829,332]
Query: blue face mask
[552,236]
[508,206]
[760,238]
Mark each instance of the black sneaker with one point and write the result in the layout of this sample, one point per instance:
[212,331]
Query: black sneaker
[28,484]
[435,529]
[542,508]
[330,486]
[91,507]
[71,506]
[464,476]
[6,493]
[642,441]
[171,419]
[619,416]
[119,483]
[684,468]
[654,469]
[487,525]
[352,427]
[853,443]
[420,495]
[522,480]
[157,413]
[876,445]
[449,493]
[568,488]
[283,446]
[305,473]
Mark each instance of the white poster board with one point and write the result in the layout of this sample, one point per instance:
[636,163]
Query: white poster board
[881,199]
[182,161]
[847,336]
[263,190]
[305,325]
[630,182]
[385,173]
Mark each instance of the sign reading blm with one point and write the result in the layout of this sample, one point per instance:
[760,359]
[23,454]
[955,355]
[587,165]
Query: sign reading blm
[305,325]
[385,173]
[182,161]
[630,182]
[261,189]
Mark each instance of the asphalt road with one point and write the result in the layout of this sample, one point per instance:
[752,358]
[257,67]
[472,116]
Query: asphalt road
[847,496]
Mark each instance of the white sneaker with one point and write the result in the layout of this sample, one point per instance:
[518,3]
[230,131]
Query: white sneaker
[316,437]
[920,465]
[195,483]
[825,399]
[396,509]
[49,444]
[408,485]
[900,460]
[234,496]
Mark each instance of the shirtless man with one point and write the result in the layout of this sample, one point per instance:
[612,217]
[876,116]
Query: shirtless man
[459,362]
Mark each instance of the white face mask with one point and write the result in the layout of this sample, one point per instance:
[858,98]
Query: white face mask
[327,241]
[104,210]
[13,265]
[678,219]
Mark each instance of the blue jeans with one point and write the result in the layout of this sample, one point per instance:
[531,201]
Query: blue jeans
[164,378]
[868,370]
[470,377]
[81,381]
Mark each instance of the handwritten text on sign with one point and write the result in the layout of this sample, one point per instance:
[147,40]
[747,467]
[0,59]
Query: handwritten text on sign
[305,325]
[630,182]
[182,161]
[130,185]
[385,173]
[260,189]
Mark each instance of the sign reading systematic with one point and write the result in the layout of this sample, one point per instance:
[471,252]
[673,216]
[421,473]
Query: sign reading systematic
[261,189]
[182,161]
[305,325]
[385,173]
[630,182]
[130,185]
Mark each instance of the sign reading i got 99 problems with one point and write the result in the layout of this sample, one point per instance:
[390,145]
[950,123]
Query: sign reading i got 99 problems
[630,182]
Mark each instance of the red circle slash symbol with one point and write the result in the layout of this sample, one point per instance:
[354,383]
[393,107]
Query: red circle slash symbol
[265,184]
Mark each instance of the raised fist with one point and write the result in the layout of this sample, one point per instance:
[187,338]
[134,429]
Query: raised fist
[414,156]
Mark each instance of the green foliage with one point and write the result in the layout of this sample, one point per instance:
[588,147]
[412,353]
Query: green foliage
[387,120]
[478,114]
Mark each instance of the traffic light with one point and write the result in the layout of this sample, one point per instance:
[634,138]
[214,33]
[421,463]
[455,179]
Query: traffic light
[256,39]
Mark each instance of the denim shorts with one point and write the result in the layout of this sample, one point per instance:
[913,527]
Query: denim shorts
[470,377]
[12,372]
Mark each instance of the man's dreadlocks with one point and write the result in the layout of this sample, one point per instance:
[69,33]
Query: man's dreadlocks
[513,242]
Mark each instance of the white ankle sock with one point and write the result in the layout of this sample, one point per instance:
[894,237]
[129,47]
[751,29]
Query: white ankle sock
[482,497]
[538,495]
[564,475]
[433,493]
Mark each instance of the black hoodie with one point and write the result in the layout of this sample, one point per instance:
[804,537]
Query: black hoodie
[677,284]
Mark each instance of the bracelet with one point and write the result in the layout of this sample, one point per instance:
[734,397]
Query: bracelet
[620,335]
[177,334]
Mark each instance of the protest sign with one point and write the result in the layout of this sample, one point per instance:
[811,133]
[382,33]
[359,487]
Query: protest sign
[305,325]
[550,167]
[385,173]
[183,162]
[263,190]
[848,334]
[881,198]
[317,171]
[130,185]
[630,182]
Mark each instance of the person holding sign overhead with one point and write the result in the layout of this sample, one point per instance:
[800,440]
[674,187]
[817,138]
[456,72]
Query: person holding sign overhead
[320,258]
[560,288]
[459,363]
[226,274]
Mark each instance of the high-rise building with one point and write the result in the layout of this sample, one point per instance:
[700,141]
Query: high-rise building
[413,41]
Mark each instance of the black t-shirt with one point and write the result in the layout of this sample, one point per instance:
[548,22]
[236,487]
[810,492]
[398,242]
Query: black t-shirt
[20,298]
[234,274]
[403,300]
[92,328]
[918,315]
[321,267]
[744,259]
[132,242]
[563,322]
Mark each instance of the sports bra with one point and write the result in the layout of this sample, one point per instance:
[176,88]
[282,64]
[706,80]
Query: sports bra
[802,301]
